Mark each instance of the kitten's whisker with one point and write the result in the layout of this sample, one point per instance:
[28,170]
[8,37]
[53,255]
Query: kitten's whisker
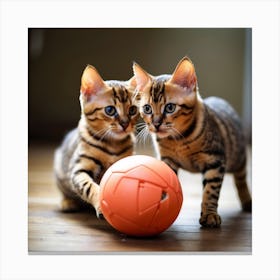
[140,126]
[106,133]
[139,135]
[176,133]
[142,136]
[101,132]
[110,134]
[146,134]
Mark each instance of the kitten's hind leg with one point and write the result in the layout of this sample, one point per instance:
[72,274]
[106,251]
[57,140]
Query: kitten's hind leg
[243,190]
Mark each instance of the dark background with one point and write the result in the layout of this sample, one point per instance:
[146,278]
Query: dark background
[57,58]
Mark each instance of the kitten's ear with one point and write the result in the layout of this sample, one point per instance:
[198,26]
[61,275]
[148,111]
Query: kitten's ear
[132,83]
[91,82]
[142,77]
[184,74]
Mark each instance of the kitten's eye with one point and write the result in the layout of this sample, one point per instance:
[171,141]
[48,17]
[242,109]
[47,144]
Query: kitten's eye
[169,108]
[132,110]
[110,110]
[147,109]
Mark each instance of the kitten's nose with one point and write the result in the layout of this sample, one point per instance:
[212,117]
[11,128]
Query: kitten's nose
[157,121]
[124,123]
[156,125]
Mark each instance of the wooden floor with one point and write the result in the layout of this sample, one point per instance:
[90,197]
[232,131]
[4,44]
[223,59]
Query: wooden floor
[53,232]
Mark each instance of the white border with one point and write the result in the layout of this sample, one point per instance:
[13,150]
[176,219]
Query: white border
[17,16]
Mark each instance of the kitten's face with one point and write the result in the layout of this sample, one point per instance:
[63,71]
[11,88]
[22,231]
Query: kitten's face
[107,107]
[167,102]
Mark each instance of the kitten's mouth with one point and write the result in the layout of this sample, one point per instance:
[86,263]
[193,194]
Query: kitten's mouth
[162,131]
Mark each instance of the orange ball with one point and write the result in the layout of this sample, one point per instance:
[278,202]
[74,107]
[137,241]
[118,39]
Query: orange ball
[140,196]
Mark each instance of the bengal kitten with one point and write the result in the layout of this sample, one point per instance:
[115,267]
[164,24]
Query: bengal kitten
[194,134]
[103,136]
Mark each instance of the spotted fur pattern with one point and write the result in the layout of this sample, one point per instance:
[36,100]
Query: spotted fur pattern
[103,136]
[194,134]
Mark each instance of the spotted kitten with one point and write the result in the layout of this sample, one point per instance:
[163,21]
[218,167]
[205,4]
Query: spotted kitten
[103,136]
[194,134]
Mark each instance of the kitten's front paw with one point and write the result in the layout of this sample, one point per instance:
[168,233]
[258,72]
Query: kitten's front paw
[211,220]
[99,214]
[96,205]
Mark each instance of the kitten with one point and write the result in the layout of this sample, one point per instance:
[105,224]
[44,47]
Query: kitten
[194,134]
[103,136]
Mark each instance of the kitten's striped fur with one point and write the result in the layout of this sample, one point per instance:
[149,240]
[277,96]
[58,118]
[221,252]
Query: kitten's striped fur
[194,134]
[104,135]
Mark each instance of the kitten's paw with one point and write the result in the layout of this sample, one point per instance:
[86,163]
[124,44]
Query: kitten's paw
[211,220]
[99,214]
[69,205]
[96,205]
[95,202]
